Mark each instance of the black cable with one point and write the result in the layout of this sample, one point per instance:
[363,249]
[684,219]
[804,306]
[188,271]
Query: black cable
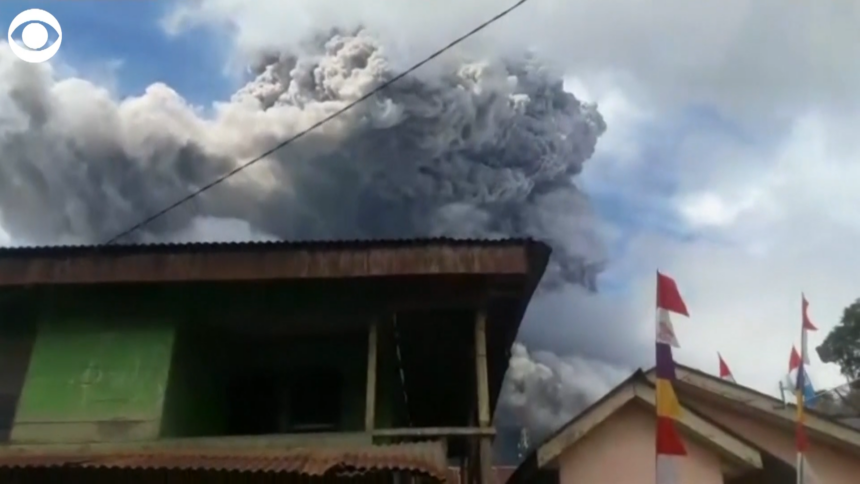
[316,125]
[295,137]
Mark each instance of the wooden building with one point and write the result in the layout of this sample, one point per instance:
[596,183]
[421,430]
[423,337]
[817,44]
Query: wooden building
[257,362]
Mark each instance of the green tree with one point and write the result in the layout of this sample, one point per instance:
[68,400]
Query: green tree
[842,345]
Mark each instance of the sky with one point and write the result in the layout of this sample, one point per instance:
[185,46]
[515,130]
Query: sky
[729,161]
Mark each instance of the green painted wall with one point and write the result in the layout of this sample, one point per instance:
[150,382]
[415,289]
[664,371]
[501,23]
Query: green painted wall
[94,381]
[101,370]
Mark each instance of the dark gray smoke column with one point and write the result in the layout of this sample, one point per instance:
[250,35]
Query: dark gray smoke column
[478,148]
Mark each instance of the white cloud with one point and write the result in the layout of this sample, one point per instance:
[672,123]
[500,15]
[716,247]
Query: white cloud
[788,226]
[619,147]
[5,240]
[707,209]
[212,229]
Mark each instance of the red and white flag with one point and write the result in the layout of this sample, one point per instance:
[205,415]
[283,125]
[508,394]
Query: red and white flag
[794,360]
[795,363]
[725,372]
[665,330]
[668,296]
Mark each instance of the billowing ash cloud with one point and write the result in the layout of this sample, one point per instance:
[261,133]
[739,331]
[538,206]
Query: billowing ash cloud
[480,148]
[472,147]
[544,391]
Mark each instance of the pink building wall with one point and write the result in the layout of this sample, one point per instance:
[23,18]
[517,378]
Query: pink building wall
[831,465]
[621,451]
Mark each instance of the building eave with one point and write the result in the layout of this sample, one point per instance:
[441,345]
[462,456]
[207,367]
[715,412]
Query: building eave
[722,391]
[638,389]
[266,261]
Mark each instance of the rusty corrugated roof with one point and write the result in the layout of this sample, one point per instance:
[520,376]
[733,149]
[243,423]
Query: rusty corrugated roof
[425,458]
[502,474]
[210,262]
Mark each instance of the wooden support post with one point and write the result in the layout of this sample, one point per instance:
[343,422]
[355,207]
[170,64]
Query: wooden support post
[431,432]
[482,381]
[370,400]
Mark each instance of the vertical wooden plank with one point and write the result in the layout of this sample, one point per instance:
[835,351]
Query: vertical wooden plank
[482,381]
[487,474]
[481,369]
[370,401]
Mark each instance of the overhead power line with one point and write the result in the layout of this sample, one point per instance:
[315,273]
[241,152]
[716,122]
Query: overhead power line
[9,295]
[313,127]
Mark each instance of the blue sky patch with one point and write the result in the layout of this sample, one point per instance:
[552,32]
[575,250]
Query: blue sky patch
[640,199]
[128,35]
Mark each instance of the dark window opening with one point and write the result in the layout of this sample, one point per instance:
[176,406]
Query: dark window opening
[269,403]
[253,405]
[315,401]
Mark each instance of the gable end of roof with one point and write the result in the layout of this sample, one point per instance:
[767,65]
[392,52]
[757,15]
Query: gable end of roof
[638,388]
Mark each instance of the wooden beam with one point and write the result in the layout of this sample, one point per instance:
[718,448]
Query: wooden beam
[227,443]
[482,380]
[436,432]
[370,400]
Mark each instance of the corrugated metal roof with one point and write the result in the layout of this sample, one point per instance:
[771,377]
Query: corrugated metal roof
[260,244]
[268,261]
[426,458]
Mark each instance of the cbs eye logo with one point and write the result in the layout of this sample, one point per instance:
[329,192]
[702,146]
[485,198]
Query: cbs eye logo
[34,36]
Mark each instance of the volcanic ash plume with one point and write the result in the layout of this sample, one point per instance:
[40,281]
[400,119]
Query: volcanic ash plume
[473,147]
[543,391]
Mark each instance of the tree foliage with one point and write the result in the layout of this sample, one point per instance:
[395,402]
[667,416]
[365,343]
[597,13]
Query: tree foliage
[842,345]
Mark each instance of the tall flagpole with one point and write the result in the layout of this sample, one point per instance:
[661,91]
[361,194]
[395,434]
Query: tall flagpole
[669,446]
[800,432]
